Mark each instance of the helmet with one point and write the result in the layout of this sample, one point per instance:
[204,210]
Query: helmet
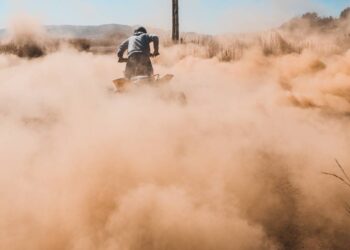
[140,30]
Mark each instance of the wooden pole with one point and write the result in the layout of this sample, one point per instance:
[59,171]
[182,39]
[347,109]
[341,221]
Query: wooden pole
[176,32]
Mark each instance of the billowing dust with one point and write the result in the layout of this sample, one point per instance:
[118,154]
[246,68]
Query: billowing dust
[236,167]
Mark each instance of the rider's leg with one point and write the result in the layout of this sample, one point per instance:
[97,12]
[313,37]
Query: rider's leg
[145,66]
[131,66]
[138,65]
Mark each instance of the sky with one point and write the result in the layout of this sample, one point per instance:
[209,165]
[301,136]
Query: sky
[205,16]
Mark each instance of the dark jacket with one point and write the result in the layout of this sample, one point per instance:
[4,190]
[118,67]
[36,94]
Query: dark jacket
[139,43]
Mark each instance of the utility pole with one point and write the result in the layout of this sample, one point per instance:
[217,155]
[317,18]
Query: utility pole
[176,31]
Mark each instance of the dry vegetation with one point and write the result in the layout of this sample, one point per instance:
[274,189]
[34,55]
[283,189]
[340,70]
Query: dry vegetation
[34,49]
[323,33]
[26,50]
[289,38]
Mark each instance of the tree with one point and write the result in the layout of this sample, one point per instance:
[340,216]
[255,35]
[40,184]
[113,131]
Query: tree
[345,13]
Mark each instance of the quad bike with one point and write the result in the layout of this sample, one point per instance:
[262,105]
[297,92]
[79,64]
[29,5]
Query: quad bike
[123,84]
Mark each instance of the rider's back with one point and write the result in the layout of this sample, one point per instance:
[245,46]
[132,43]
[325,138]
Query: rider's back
[138,47]
[140,43]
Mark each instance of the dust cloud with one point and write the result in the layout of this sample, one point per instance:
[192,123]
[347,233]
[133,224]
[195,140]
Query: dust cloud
[237,167]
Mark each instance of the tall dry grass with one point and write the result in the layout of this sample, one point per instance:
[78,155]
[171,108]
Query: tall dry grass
[231,48]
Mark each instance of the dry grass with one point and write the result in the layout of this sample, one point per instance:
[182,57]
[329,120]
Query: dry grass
[32,49]
[80,44]
[231,48]
[29,50]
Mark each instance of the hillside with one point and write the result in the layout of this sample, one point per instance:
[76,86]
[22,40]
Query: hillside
[85,32]
[89,32]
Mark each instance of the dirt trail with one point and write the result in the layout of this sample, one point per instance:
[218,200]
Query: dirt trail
[238,167]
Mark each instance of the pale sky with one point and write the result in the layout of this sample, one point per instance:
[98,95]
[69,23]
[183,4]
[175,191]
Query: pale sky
[206,16]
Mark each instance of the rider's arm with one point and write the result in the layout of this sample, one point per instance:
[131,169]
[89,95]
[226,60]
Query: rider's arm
[155,40]
[122,48]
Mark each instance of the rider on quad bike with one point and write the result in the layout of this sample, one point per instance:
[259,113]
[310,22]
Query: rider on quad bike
[139,53]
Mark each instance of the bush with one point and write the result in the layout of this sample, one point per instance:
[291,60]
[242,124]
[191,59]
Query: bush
[345,13]
[29,50]
[80,44]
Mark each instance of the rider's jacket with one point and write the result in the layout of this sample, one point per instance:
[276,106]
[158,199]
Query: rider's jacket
[139,43]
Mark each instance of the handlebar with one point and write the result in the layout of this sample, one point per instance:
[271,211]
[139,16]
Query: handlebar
[122,60]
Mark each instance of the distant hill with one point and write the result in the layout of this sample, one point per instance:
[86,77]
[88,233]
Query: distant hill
[86,32]
[89,32]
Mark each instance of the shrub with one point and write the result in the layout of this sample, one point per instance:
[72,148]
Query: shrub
[29,50]
[80,44]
